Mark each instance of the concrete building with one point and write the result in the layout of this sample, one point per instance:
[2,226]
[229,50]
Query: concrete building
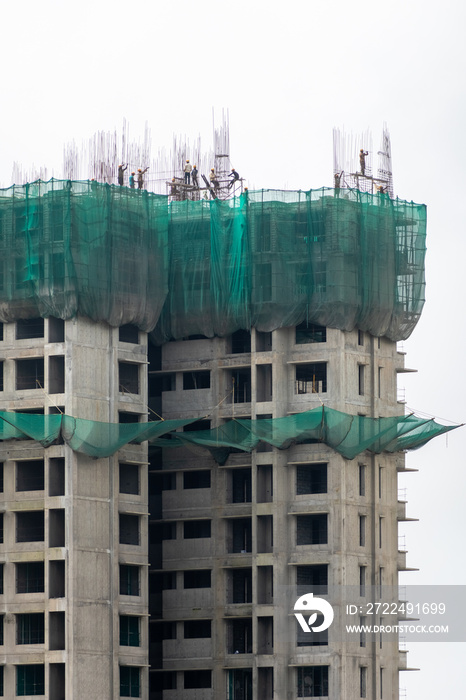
[167,572]
[74,547]
[241,541]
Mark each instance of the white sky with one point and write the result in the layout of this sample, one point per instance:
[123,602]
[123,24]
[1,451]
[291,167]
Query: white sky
[288,72]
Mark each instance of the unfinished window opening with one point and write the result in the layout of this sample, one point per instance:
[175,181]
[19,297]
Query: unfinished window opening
[312,578]
[30,526]
[1,578]
[239,588]
[361,374]
[126,417]
[240,536]
[240,342]
[379,382]
[197,425]
[362,634]
[263,342]
[265,585]
[198,479]
[312,639]
[240,683]
[56,330]
[30,628]
[362,479]
[56,681]
[240,385]
[312,681]
[264,446]
[129,631]
[264,534]
[239,636]
[129,478]
[56,374]
[32,411]
[57,527]
[197,578]
[55,411]
[362,581]
[201,678]
[311,378]
[362,681]
[128,334]
[265,683]
[196,380]
[361,338]
[263,382]
[168,481]
[1,629]
[311,529]
[30,577]
[129,529]
[265,635]
[129,580]
[310,333]
[168,581]
[1,324]
[1,375]
[1,477]
[56,631]
[128,378]
[29,328]
[240,486]
[194,529]
[362,530]
[30,475]
[159,383]
[130,682]
[380,532]
[30,679]
[264,484]
[56,476]
[311,478]
[197,629]
[1,528]
[30,374]
[380,481]
[57,578]
[165,680]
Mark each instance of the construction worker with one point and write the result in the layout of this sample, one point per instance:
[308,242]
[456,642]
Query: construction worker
[131,180]
[187,172]
[141,177]
[235,176]
[213,178]
[362,160]
[121,170]
[337,179]
[194,176]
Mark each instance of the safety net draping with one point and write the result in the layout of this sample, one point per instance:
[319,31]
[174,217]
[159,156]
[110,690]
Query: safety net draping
[346,434]
[266,259]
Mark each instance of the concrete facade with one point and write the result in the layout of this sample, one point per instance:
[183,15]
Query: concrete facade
[75,623]
[233,545]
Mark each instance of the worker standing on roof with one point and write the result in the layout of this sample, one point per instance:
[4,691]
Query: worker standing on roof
[141,177]
[362,160]
[121,170]
[131,180]
[213,178]
[194,176]
[234,177]
[187,172]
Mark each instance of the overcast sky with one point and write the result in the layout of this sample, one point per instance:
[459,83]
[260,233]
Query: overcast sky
[288,72]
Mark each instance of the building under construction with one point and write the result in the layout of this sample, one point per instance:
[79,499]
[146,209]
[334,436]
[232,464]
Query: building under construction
[200,424]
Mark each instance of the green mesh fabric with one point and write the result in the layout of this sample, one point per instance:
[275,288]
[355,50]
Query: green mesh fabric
[348,435]
[268,259]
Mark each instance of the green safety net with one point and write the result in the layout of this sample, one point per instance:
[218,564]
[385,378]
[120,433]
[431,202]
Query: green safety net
[266,259]
[346,434]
